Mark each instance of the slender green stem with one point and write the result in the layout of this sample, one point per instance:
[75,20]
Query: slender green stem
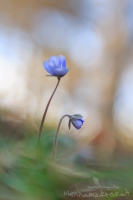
[44,115]
[56,136]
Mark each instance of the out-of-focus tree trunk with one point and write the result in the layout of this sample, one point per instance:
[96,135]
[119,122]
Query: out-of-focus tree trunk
[115,34]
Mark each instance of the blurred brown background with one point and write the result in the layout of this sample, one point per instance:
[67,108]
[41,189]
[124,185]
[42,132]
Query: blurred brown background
[96,37]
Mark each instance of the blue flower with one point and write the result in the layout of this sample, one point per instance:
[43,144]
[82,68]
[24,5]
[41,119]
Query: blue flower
[56,66]
[76,120]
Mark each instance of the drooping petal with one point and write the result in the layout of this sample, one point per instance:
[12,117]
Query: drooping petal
[47,67]
[77,123]
[62,60]
[69,124]
[56,60]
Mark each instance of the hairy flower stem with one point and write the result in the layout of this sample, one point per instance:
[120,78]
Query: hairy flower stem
[44,115]
[56,136]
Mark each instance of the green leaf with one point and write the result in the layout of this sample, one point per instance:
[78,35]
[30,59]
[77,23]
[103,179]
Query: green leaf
[76,116]
[50,75]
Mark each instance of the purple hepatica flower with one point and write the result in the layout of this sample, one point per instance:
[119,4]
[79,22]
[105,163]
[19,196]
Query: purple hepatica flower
[56,66]
[76,120]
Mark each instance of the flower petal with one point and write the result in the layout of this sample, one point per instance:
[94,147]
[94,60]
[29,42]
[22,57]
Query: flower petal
[56,60]
[47,67]
[62,60]
[60,71]
[77,123]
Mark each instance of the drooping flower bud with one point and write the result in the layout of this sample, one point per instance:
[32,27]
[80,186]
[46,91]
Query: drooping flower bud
[76,120]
